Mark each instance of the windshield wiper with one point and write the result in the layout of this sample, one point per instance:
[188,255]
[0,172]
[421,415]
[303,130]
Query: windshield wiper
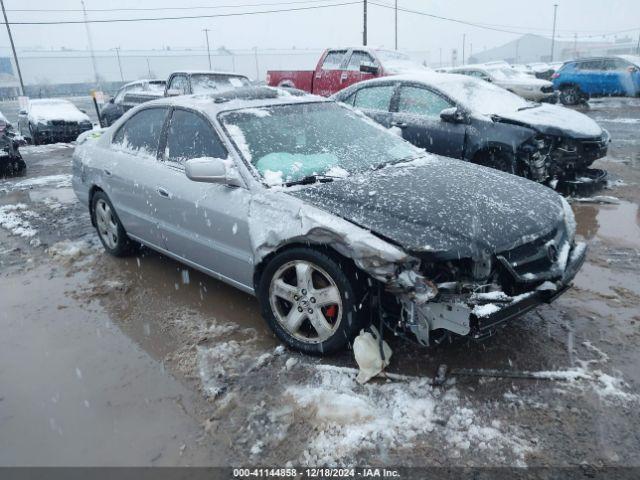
[395,162]
[309,179]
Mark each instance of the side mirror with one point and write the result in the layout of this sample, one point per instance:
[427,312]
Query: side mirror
[452,115]
[369,68]
[211,170]
[112,99]
[173,92]
[83,111]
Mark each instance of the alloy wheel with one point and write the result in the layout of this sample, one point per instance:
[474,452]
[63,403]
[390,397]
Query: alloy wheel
[107,224]
[306,301]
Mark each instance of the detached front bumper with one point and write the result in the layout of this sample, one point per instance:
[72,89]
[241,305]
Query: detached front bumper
[478,315]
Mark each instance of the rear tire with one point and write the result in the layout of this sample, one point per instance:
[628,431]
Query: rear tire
[310,301]
[112,235]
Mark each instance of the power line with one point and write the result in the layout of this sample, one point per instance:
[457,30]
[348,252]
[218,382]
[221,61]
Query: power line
[486,26]
[139,9]
[188,17]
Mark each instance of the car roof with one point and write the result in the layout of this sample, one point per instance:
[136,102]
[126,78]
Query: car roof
[237,98]
[208,72]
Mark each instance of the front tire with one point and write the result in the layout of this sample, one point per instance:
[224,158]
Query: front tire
[112,235]
[310,302]
[571,95]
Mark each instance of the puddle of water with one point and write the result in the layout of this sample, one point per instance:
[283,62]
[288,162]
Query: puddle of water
[62,195]
[617,224]
[161,293]
[81,392]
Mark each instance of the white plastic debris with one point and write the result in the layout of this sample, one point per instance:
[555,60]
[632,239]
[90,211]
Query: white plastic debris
[366,349]
[290,363]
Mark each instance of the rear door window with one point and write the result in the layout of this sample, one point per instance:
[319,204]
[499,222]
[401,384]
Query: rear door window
[420,101]
[179,83]
[374,98]
[141,133]
[190,136]
[333,60]
[358,58]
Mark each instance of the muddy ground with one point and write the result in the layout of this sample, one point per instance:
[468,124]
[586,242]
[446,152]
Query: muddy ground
[142,361]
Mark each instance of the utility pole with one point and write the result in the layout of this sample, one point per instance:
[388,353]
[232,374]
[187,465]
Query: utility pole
[255,52]
[464,40]
[93,55]
[396,21]
[364,23]
[575,45]
[148,67]
[637,48]
[206,34]
[553,35]
[440,57]
[117,49]
[13,48]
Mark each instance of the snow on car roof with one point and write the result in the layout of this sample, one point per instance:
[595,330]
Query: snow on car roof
[244,97]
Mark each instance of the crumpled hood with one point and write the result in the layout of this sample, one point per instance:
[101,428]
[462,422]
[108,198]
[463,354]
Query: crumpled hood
[449,208]
[555,120]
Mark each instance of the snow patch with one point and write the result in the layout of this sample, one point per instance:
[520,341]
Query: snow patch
[15,219]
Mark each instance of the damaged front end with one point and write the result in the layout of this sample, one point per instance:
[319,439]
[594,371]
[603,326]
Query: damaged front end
[471,297]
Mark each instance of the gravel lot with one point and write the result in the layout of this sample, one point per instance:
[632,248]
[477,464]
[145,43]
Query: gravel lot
[142,361]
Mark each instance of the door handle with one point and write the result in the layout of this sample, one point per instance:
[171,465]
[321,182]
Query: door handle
[399,124]
[107,172]
[163,193]
[343,77]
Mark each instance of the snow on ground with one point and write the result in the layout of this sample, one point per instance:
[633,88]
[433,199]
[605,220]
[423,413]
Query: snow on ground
[619,120]
[56,181]
[74,250]
[41,149]
[350,418]
[15,219]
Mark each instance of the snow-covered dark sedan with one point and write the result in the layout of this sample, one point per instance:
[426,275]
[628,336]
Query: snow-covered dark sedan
[332,221]
[470,119]
[48,120]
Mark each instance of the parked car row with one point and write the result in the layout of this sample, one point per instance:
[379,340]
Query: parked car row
[331,220]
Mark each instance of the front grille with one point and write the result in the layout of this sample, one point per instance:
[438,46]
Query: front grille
[535,261]
[63,123]
[590,146]
[547,89]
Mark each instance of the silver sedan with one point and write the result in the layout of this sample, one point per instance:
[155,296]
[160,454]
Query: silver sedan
[329,219]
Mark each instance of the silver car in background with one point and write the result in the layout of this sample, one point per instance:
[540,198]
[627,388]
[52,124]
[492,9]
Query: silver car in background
[332,221]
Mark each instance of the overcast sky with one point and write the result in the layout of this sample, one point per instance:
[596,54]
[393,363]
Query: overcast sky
[340,25]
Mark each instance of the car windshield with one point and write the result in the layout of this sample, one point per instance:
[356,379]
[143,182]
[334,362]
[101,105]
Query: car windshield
[482,97]
[286,143]
[205,82]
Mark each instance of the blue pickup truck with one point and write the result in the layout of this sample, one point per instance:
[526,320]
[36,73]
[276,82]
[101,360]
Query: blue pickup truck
[577,80]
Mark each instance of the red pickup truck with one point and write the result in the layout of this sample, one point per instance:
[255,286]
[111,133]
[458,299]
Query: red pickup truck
[338,68]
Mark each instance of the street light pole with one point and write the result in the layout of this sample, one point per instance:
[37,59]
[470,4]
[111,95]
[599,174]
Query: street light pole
[119,64]
[553,35]
[206,34]
[13,48]
[396,21]
[364,23]
[93,55]
[464,41]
